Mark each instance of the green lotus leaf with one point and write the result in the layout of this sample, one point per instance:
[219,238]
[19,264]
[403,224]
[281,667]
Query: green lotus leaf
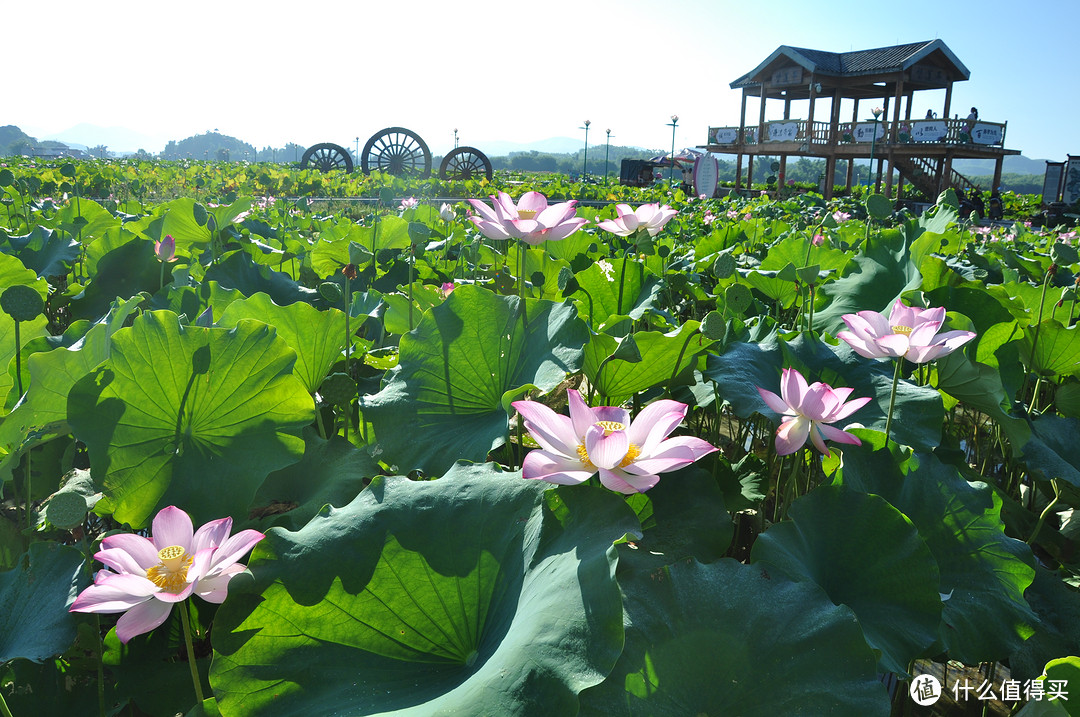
[386,605]
[984,573]
[659,359]
[865,554]
[442,402]
[873,280]
[743,367]
[316,336]
[1051,452]
[42,415]
[733,639]
[121,273]
[238,271]
[178,413]
[1057,350]
[979,386]
[629,289]
[45,251]
[35,623]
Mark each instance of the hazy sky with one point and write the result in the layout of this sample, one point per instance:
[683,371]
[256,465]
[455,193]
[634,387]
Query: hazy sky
[315,71]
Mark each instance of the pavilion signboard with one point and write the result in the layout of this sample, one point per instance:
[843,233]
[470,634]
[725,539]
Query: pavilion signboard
[983,133]
[786,76]
[928,131]
[864,132]
[726,135]
[783,131]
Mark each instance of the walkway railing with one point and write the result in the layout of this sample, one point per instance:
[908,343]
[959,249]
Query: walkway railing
[924,131]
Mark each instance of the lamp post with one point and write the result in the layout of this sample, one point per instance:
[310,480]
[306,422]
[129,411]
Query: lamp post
[607,152]
[357,150]
[585,167]
[455,138]
[673,123]
[873,141]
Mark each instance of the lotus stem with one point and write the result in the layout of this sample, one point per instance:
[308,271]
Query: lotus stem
[4,711]
[892,397]
[1035,338]
[186,622]
[1046,511]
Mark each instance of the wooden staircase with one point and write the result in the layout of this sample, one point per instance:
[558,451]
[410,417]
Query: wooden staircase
[922,173]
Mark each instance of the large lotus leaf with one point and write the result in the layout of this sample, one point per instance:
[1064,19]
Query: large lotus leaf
[178,413]
[331,472]
[539,263]
[192,301]
[796,249]
[42,415]
[123,272]
[874,279]
[918,414]
[443,401]
[1051,452]
[1058,630]
[238,271]
[35,623]
[316,336]
[1056,352]
[732,639]
[478,593]
[46,251]
[867,555]
[979,386]
[984,573]
[85,219]
[627,289]
[660,358]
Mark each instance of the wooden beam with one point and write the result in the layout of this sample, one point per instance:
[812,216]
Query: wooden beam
[997,172]
[948,101]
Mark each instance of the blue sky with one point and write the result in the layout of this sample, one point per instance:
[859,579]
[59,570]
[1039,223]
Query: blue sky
[270,72]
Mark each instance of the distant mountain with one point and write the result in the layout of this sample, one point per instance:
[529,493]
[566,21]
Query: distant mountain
[552,145]
[119,140]
[1016,164]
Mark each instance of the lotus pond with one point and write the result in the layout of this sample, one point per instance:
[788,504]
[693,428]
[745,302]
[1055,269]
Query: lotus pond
[648,454]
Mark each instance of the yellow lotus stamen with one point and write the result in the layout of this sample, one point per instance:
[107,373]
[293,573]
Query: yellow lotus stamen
[905,330]
[527,213]
[631,455]
[610,426]
[583,456]
[171,573]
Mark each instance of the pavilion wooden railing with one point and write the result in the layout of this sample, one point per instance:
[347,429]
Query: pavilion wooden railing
[937,131]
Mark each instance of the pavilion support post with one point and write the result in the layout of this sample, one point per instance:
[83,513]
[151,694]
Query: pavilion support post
[738,171]
[830,175]
[997,172]
[851,160]
[888,176]
[809,140]
[742,140]
[946,172]
[750,174]
[761,117]
[948,101]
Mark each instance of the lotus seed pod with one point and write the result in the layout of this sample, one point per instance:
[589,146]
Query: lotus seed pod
[724,266]
[738,298]
[338,389]
[22,302]
[66,510]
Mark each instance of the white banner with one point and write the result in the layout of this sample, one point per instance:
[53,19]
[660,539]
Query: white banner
[983,133]
[706,174]
[783,131]
[726,135]
[865,132]
[928,131]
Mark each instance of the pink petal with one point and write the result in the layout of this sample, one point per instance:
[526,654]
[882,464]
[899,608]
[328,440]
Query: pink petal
[615,226]
[849,408]
[139,548]
[868,325]
[564,229]
[655,423]
[554,432]
[894,345]
[791,435]
[216,588]
[532,202]
[557,214]
[211,535]
[115,593]
[232,550]
[580,414]
[623,482]
[541,465]
[606,451]
[484,211]
[773,401]
[121,561]
[672,454]
[793,388]
[142,618]
[866,349]
[835,434]
[924,334]
[172,526]
[817,439]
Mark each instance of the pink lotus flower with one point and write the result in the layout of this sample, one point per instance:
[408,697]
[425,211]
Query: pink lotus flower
[446,289]
[627,455]
[647,217]
[808,410]
[818,240]
[530,220]
[909,331]
[840,217]
[165,250]
[409,203]
[153,573]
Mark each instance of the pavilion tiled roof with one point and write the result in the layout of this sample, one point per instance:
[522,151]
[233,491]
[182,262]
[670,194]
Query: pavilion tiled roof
[858,62]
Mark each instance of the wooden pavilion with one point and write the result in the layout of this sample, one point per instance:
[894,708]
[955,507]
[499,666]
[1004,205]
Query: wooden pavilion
[920,150]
